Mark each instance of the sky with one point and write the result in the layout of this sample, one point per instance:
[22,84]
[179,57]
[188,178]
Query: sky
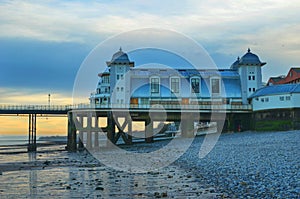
[44,43]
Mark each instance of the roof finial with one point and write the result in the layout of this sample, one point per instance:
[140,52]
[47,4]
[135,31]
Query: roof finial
[249,50]
[238,58]
[120,48]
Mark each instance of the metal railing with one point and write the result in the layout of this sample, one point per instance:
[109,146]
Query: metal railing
[229,107]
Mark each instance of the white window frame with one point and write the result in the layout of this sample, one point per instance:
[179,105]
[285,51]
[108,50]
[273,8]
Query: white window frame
[175,77]
[151,78]
[211,86]
[191,87]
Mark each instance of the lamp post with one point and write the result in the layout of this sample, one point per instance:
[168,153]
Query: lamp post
[49,99]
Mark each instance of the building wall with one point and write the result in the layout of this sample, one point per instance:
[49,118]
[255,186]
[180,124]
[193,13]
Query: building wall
[280,101]
[251,80]
[276,119]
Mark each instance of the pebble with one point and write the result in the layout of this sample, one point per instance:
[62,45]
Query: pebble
[249,164]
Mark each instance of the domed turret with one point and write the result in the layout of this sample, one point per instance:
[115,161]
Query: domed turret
[250,59]
[120,57]
[235,64]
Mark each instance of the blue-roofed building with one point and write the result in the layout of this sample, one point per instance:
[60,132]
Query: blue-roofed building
[284,96]
[273,107]
[276,107]
[122,83]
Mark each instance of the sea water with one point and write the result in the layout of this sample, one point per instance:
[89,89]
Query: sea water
[15,140]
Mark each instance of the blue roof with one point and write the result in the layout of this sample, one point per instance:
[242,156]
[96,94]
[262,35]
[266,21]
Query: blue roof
[232,89]
[143,92]
[250,59]
[120,57]
[277,89]
[209,73]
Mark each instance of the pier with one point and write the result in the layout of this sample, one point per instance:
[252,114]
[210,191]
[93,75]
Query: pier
[83,120]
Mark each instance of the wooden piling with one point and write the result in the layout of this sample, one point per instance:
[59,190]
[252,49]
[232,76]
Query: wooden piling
[72,140]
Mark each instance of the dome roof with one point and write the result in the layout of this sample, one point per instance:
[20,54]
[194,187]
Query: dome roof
[235,64]
[250,59]
[120,57]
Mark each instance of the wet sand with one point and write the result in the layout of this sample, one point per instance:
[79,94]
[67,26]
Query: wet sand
[53,172]
[240,165]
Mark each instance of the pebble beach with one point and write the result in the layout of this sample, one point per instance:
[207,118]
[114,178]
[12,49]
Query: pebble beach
[241,165]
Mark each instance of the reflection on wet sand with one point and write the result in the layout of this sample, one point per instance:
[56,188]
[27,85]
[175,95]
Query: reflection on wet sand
[59,174]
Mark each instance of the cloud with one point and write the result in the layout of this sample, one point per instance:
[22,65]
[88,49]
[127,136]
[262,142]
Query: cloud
[32,96]
[226,28]
[76,21]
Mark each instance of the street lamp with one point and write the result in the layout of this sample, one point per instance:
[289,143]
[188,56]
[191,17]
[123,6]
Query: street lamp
[49,99]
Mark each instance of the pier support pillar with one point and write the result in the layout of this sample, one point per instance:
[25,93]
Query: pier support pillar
[31,133]
[96,135]
[148,131]
[89,132]
[72,141]
[129,127]
[110,129]
[187,125]
[80,142]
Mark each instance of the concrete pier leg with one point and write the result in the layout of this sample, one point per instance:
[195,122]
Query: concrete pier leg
[129,127]
[148,131]
[89,140]
[71,142]
[187,126]
[220,126]
[80,143]
[96,135]
[110,129]
[32,133]
[89,132]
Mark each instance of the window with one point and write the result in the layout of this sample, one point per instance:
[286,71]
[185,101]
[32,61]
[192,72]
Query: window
[118,89]
[122,77]
[154,85]
[267,99]
[144,101]
[175,85]
[253,89]
[249,89]
[122,89]
[281,98]
[118,77]
[288,98]
[262,99]
[105,79]
[215,86]
[195,85]
[249,77]
[253,77]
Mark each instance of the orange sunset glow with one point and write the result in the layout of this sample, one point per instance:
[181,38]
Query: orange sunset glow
[46,125]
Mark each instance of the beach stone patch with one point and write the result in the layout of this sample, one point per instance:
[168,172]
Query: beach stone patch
[242,165]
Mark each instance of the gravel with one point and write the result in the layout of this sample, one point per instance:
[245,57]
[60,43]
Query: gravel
[249,164]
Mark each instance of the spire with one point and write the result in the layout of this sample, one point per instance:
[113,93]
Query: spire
[249,50]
